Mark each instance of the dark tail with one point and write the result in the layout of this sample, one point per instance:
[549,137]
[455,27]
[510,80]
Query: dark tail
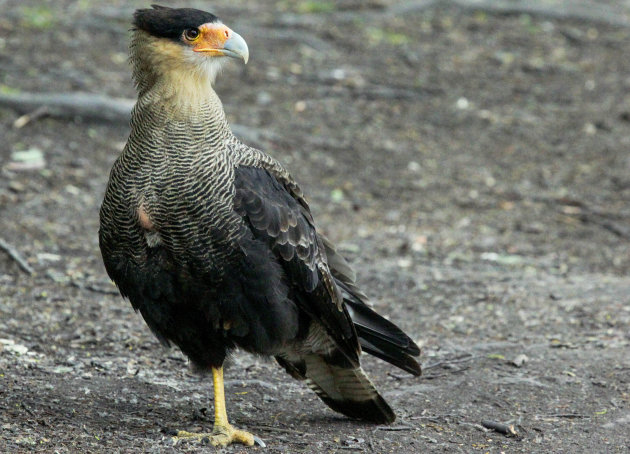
[383,339]
[377,336]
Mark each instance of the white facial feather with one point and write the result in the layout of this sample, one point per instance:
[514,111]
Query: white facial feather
[207,66]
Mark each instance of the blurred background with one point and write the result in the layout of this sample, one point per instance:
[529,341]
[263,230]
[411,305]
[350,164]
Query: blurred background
[471,158]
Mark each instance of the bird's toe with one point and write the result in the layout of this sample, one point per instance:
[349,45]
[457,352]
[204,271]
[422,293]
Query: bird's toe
[221,436]
[226,435]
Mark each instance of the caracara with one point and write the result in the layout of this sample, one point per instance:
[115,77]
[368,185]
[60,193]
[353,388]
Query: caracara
[213,241]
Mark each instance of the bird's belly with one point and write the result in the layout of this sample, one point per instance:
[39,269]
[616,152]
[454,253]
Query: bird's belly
[208,315]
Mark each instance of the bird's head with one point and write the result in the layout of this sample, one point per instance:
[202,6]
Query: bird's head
[181,43]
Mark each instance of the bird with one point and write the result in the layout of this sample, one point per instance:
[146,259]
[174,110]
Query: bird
[213,241]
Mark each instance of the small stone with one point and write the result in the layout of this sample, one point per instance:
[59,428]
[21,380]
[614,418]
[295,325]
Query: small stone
[520,360]
[413,166]
[336,195]
[589,129]
[462,104]
[31,159]
[263,98]
[16,186]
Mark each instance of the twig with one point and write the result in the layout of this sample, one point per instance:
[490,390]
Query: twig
[615,229]
[450,372]
[94,107]
[282,430]
[25,119]
[499,427]
[15,255]
[565,415]
[461,359]
[474,425]
[94,288]
[27,410]
[69,105]
[395,428]
[437,417]
[588,214]
[396,376]
[293,441]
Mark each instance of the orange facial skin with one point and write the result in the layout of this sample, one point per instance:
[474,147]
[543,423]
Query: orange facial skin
[211,38]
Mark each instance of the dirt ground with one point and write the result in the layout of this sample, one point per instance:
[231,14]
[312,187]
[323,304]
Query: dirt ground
[473,163]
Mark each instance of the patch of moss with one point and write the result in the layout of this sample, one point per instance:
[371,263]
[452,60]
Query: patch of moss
[39,17]
[378,36]
[316,7]
[6,90]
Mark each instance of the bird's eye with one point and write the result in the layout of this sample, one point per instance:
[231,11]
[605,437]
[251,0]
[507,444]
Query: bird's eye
[191,34]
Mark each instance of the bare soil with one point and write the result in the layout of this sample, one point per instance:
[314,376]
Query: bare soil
[473,163]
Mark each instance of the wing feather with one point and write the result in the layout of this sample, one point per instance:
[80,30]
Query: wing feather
[285,224]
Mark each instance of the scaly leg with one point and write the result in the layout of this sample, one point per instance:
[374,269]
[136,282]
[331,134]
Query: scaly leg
[223,434]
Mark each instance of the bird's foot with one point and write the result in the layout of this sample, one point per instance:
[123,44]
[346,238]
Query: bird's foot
[222,436]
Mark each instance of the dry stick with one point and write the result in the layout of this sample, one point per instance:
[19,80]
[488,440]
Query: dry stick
[473,425]
[611,226]
[281,430]
[15,255]
[591,215]
[395,428]
[68,105]
[499,427]
[443,416]
[94,107]
[462,359]
[565,415]
[27,118]
[94,288]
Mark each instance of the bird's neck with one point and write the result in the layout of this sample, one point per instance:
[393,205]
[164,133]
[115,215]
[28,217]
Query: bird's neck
[169,91]
[184,107]
[184,95]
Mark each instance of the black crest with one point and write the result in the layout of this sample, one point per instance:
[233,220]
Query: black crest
[170,23]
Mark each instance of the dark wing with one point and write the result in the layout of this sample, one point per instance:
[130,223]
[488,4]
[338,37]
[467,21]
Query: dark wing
[276,213]
[277,218]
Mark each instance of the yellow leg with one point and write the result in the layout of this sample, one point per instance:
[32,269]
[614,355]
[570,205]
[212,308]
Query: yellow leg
[223,434]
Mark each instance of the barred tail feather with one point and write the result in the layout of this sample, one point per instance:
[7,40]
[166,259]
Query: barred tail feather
[344,389]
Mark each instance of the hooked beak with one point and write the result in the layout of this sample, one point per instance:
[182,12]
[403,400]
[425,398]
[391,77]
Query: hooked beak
[236,47]
[219,40]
